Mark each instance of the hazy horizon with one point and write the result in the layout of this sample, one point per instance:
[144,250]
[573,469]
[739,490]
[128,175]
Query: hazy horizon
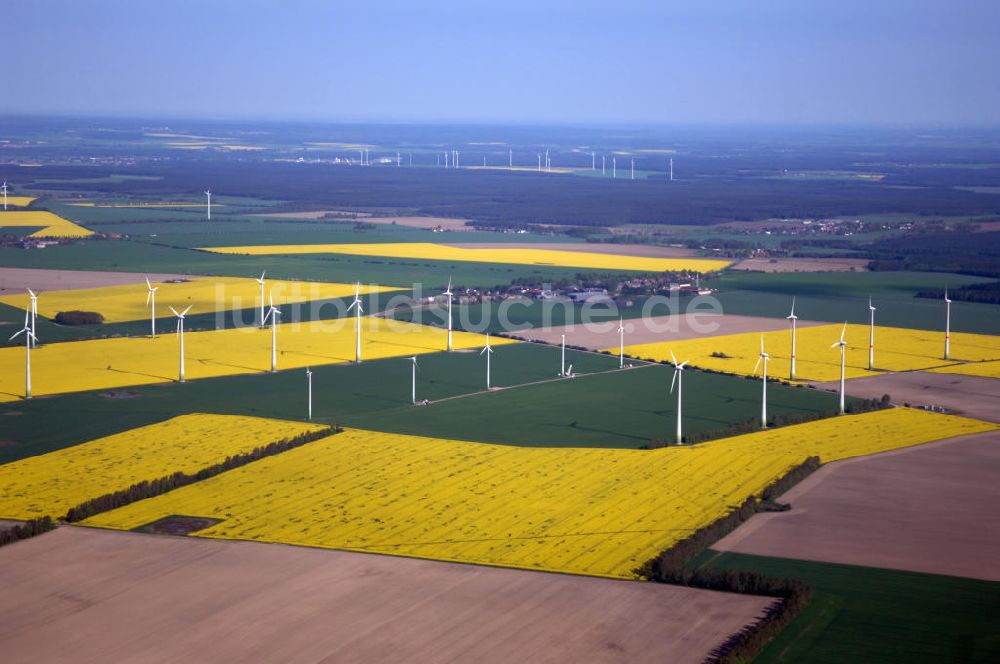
[634,64]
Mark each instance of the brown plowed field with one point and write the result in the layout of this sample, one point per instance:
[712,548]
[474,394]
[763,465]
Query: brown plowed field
[973,396]
[931,508]
[86,595]
[16,279]
[657,328]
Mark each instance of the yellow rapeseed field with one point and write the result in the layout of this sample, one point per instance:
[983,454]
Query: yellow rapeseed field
[520,256]
[76,366]
[896,349]
[203,294]
[587,511]
[984,369]
[52,225]
[50,484]
[18,201]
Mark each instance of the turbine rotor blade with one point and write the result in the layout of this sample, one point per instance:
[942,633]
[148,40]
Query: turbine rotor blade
[673,358]
[673,380]
[187,310]
[756,366]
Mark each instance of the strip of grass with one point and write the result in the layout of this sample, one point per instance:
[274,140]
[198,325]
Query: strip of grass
[863,614]
[621,409]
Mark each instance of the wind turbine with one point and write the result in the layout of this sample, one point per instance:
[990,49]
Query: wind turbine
[671,169]
[593,161]
[678,379]
[309,393]
[449,294]
[792,317]
[208,208]
[947,325]
[614,167]
[633,169]
[260,282]
[602,164]
[180,334]
[763,374]
[273,313]
[413,380]
[356,305]
[151,300]
[539,162]
[871,336]
[562,363]
[510,159]
[621,343]
[34,316]
[843,354]
[4,187]
[488,351]
[29,338]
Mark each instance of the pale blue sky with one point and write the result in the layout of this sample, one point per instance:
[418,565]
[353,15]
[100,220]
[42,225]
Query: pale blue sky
[896,62]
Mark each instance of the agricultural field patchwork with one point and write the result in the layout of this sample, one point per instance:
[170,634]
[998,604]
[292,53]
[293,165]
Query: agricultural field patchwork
[525,256]
[986,369]
[50,484]
[51,225]
[203,294]
[76,366]
[896,349]
[19,201]
[587,511]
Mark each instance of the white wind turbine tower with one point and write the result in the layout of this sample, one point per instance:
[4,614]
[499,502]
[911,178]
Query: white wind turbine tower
[260,282]
[273,313]
[180,335]
[671,169]
[208,204]
[358,310]
[487,350]
[602,164]
[4,187]
[399,160]
[593,161]
[151,300]
[34,317]
[763,374]
[633,169]
[562,363]
[843,355]
[510,159]
[678,379]
[449,294]
[309,393]
[413,380]
[29,338]
[792,317]
[947,325]
[614,167]
[871,336]
[621,343]
[539,162]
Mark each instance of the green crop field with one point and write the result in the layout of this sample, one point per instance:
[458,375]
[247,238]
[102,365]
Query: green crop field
[863,614]
[615,409]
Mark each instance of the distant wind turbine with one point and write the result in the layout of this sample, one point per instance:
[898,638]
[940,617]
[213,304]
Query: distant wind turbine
[274,313]
[593,161]
[792,317]
[358,310]
[413,380]
[487,350]
[208,204]
[671,169]
[602,164]
[871,336]
[843,359]
[309,394]
[614,167]
[763,397]
[29,339]
[947,325]
[34,317]
[562,363]
[151,302]
[449,294]
[4,188]
[180,335]
[678,379]
[510,159]
[539,162]
[621,343]
[633,169]
[260,282]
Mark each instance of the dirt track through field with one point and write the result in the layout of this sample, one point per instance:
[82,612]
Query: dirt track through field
[931,508]
[81,594]
[973,396]
[17,279]
[658,328]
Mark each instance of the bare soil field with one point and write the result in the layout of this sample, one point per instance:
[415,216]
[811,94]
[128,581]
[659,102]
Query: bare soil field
[658,328]
[16,279]
[801,265]
[86,595]
[642,250]
[930,508]
[973,396]
[311,214]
